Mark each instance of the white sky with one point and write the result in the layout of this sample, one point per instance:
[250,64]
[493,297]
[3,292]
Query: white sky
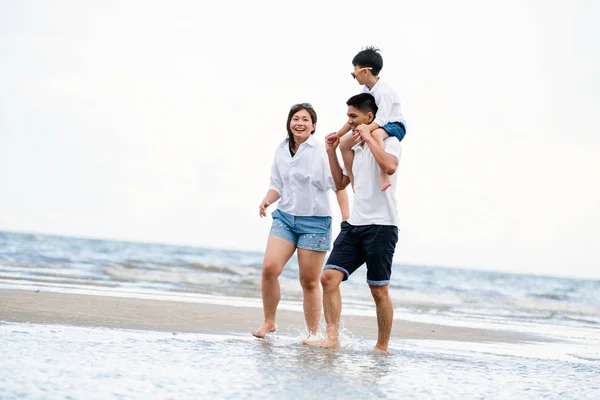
[157,121]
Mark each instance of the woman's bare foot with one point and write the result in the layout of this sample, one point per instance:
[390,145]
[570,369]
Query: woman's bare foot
[380,349]
[324,343]
[264,329]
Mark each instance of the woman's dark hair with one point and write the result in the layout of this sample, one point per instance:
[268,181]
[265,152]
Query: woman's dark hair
[295,108]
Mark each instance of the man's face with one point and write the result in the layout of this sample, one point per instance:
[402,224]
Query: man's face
[357,117]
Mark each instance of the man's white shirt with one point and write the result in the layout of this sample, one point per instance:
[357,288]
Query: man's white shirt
[371,206]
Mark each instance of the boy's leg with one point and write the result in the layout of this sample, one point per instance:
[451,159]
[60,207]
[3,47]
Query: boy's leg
[346,143]
[380,135]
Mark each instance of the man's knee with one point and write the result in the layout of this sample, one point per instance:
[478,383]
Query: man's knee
[379,293]
[331,279]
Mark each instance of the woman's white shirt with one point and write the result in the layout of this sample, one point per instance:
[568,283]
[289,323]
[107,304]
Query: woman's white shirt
[302,181]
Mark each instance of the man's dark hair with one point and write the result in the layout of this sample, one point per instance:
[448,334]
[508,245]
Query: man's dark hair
[364,102]
[369,57]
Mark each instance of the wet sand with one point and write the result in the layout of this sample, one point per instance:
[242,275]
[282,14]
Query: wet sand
[42,307]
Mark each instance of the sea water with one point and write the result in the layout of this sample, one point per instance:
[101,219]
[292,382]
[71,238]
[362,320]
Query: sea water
[66,362]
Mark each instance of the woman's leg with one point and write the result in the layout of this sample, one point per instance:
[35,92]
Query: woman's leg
[278,253]
[310,265]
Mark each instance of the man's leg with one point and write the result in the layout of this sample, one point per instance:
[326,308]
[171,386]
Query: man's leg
[332,307]
[385,316]
[380,250]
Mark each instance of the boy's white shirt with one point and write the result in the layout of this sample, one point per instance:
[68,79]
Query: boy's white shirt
[302,181]
[388,103]
[371,206]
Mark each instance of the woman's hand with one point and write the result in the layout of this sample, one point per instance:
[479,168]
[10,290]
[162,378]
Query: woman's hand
[263,208]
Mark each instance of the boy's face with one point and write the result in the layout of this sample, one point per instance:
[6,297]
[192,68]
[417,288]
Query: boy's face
[360,74]
[357,117]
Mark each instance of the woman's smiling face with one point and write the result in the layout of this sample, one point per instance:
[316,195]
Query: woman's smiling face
[301,126]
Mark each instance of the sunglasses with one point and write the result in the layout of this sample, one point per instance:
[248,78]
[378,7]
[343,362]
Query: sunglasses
[358,70]
[305,105]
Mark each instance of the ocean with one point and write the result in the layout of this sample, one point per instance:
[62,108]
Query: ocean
[49,361]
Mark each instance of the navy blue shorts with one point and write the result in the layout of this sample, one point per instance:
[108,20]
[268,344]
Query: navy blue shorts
[395,129]
[371,244]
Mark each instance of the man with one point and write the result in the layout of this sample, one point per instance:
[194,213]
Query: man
[371,233]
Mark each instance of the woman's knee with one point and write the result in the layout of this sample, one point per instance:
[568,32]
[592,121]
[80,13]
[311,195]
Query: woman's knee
[271,270]
[309,282]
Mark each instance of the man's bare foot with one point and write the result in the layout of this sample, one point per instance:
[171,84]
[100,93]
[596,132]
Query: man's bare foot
[326,343]
[380,349]
[264,329]
[385,186]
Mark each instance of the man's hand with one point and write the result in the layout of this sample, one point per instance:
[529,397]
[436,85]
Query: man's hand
[361,133]
[332,141]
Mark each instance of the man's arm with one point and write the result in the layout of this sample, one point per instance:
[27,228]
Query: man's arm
[340,180]
[387,162]
[342,199]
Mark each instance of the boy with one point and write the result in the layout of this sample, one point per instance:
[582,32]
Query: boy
[388,121]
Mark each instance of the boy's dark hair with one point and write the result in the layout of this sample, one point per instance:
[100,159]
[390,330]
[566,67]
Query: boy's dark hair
[364,102]
[369,57]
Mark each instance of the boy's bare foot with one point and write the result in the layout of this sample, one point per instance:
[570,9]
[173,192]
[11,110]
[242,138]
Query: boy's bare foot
[385,186]
[264,329]
[326,343]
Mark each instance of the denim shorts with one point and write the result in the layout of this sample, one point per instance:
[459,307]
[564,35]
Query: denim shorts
[395,129]
[371,244]
[310,233]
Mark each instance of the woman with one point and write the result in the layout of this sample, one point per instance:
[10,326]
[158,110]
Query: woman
[300,179]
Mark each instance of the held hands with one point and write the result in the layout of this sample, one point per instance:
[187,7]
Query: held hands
[263,208]
[361,133]
[331,142]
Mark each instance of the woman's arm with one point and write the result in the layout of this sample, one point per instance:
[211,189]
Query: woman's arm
[342,199]
[271,197]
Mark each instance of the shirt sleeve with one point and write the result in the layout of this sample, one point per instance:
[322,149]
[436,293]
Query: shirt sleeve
[393,147]
[276,181]
[384,109]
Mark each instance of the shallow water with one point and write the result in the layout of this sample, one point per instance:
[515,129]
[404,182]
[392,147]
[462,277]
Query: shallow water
[65,362]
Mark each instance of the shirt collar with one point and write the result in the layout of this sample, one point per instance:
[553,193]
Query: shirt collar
[374,86]
[311,141]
